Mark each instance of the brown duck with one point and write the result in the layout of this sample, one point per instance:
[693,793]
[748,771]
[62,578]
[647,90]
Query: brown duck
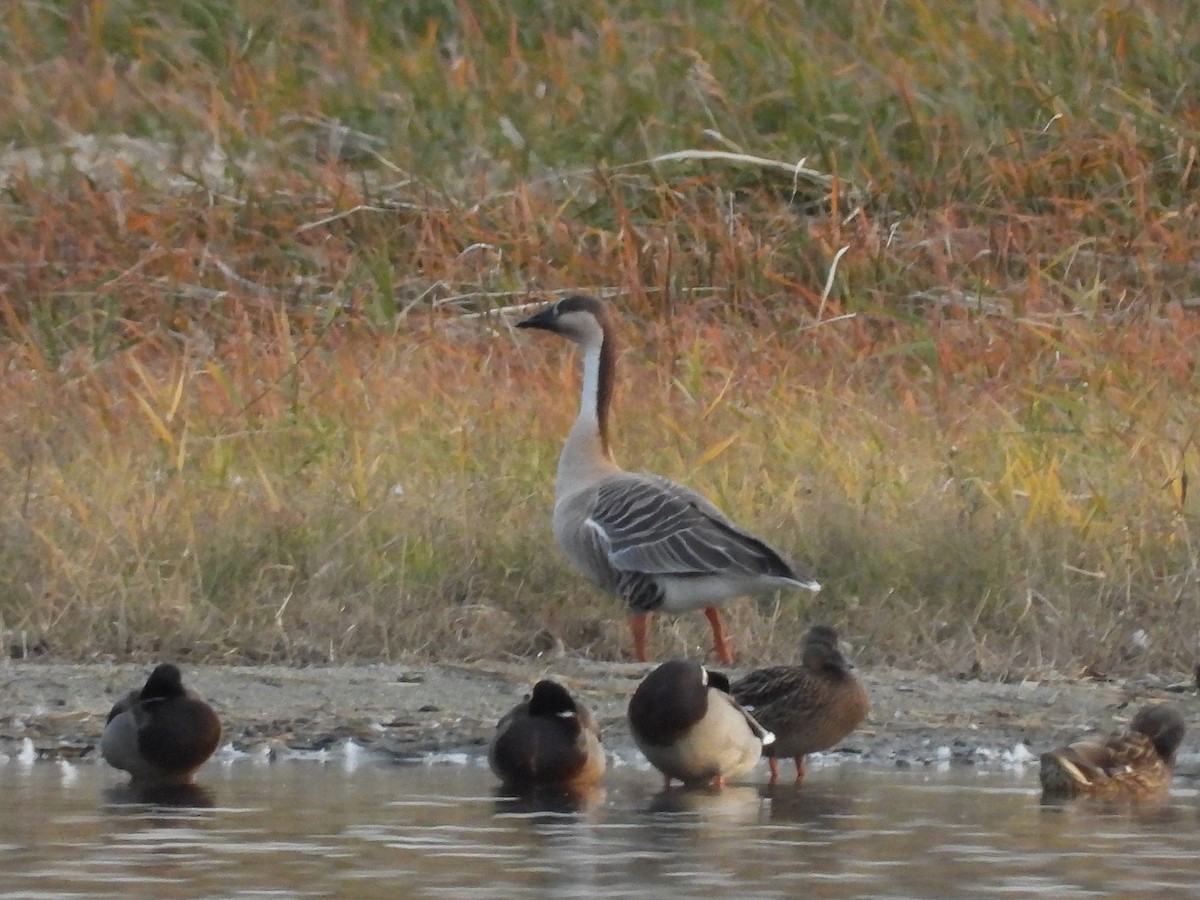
[809,707]
[1137,762]
[548,739]
[162,733]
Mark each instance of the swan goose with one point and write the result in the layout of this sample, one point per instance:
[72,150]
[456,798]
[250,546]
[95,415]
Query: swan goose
[657,545]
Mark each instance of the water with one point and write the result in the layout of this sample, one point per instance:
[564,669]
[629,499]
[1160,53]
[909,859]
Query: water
[352,827]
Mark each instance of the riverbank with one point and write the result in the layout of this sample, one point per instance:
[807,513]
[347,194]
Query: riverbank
[407,712]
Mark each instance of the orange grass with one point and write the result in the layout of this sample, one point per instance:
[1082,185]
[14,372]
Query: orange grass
[258,406]
[364,496]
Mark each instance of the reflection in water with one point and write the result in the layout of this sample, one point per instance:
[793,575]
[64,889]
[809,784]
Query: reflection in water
[734,803]
[828,803]
[194,796]
[1157,810]
[548,800]
[318,829]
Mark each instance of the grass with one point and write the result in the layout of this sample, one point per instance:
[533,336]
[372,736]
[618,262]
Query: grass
[912,294]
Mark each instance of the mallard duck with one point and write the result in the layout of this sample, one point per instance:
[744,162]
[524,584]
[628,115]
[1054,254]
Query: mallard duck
[657,545]
[1136,762]
[809,707]
[549,738]
[162,733]
[686,723]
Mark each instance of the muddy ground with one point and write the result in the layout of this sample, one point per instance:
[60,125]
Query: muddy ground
[408,711]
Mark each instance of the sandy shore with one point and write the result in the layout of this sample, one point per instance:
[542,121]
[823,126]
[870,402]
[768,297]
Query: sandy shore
[408,711]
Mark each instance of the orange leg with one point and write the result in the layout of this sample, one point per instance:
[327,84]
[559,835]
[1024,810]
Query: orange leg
[718,629]
[801,771]
[639,624]
[774,764]
[719,782]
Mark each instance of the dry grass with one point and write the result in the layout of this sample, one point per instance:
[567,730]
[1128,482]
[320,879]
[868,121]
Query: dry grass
[949,360]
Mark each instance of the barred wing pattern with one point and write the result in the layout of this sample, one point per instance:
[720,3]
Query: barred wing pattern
[649,527]
[764,686]
[1122,764]
[808,710]
[650,524]
[1119,754]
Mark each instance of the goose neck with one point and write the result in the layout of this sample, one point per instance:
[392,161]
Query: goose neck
[596,396]
[587,457]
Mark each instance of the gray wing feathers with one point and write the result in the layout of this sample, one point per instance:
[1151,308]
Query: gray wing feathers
[652,525]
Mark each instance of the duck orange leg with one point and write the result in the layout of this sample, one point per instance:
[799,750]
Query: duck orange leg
[801,770]
[774,764]
[639,624]
[718,629]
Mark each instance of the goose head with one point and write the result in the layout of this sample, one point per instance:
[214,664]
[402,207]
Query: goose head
[579,318]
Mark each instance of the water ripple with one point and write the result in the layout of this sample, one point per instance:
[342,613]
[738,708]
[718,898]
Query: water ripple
[308,828]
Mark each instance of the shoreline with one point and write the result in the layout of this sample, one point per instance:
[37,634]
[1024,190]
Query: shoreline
[409,711]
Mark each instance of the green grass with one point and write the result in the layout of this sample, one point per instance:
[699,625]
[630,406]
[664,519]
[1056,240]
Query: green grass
[950,363]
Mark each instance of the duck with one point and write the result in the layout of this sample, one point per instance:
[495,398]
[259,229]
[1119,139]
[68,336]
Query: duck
[809,707]
[655,544]
[547,739]
[686,723]
[161,733]
[1133,763]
